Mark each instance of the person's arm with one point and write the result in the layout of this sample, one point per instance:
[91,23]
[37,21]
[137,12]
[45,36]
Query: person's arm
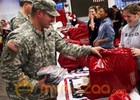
[92,24]
[96,50]
[91,18]
[135,51]
[74,50]
[98,42]
[13,59]
[108,31]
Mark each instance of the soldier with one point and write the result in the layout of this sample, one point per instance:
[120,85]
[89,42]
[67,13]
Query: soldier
[22,15]
[31,47]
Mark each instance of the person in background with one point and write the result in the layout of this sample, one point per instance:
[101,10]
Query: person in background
[1,29]
[22,15]
[135,51]
[5,24]
[6,29]
[123,21]
[139,3]
[32,46]
[97,11]
[117,20]
[130,36]
[93,24]
[106,32]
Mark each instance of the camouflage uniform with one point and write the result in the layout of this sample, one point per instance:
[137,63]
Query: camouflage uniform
[34,50]
[19,19]
[27,50]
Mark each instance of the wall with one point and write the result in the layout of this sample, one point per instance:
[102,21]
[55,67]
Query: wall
[8,9]
[80,7]
[111,3]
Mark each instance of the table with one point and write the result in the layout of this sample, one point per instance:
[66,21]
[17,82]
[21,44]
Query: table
[65,90]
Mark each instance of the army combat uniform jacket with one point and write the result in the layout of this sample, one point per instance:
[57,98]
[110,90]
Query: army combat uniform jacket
[27,50]
[18,20]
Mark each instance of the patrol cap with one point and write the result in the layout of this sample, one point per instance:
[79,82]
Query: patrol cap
[46,5]
[26,1]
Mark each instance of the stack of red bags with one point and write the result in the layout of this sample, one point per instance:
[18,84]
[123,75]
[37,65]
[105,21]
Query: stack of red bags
[77,35]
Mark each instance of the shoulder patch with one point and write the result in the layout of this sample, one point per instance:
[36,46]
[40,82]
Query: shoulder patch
[12,45]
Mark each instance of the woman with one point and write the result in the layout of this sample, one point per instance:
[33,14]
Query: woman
[106,32]
[93,24]
[130,36]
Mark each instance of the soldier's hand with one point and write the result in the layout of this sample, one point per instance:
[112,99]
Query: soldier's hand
[47,89]
[96,50]
[41,84]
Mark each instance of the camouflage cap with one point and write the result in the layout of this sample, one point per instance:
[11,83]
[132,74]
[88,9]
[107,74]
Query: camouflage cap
[47,5]
[27,0]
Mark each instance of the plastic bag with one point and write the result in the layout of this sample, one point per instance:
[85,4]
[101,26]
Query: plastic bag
[79,33]
[116,70]
[72,63]
[119,95]
[67,62]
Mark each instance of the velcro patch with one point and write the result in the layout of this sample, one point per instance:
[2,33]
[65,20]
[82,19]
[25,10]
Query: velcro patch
[12,45]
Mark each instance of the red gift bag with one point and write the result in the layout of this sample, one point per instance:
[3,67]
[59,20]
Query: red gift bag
[119,95]
[116,70]
[67,62]
[62,17]
[72,63]
[82,61]
[79,33]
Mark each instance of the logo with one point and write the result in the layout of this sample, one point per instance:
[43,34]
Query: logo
[23,88]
